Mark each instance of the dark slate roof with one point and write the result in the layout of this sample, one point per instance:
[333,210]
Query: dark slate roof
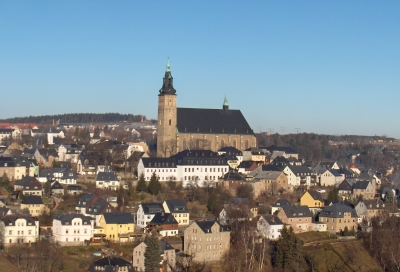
[74,187]
[240,201]
[361,184]
[24,180]
[231,151]
[66,219]
[364,176]
[118,218]
[272,219]
[163,218]
[346,172]
[85,198]
[335,173]
[232,175]
[9,220]
[206,226]
[97,207]
[32,184]
[201,157]
[282,202]
[297,211]
[215,121]
[345,186]
[159,162]
[31,199]
[337,211]
[165,246]
[315,195]
[3,211]
[177,206]
[271,167]
[106,176]
[286,149]
[246,164]
[280,161]
[152,208]
[56,186]
[109,263]
[300,169]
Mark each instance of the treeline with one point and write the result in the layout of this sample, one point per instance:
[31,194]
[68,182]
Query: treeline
[77,118]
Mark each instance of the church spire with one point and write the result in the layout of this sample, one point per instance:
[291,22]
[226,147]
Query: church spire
[167,87]
[225,106]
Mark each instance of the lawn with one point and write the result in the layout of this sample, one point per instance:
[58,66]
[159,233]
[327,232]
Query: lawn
[78,258]
[314,236]
[6,264]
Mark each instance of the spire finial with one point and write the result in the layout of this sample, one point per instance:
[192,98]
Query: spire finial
[168,69]
[225,106]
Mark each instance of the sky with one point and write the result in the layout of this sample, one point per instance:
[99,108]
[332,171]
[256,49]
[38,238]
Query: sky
[326,67]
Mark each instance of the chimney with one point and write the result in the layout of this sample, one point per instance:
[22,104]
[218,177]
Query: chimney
[162,213]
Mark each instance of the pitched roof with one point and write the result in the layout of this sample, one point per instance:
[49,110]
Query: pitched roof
[163,218]
[9,220]
[272,219]
[118,218]
[66,219]
[345,186]
[301,169]
[337,211]
[361,184]
[315,195]
[297,211]
[212,121]
[177,206]
[206,226]
[109,263]
[233,175]
[152,208]
[31,199]
[106,176]
[281,202]
[286,149]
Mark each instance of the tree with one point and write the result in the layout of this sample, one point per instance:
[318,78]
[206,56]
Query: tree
[141,185]
[152,255]
[333,195]
[289,251]
[245,191]
[154,186]
[389,197]
[47,188]
[212,202]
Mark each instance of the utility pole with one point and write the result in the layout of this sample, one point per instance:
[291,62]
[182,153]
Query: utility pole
[297,130]
[283,130]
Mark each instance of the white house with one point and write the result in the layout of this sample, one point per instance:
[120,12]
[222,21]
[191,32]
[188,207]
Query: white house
[107,180]
[270,226]
[146,212]
[192,167]
[298,175]
[330,178]
[19,228]
[62,175]
[72,229]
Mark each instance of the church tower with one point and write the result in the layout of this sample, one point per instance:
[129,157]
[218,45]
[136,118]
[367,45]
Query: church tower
[167,117]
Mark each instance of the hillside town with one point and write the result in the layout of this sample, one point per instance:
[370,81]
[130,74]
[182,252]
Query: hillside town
[195,189]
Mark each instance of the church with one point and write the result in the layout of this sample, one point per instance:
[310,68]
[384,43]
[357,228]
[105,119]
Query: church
[190,128]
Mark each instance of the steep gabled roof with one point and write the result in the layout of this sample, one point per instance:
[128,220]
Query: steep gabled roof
[345,186]
[152,208]
[297,211]
[118,218]
[361,184]
[315,195]
[163,218]
[281,202]
[177,206]
[106,176]
[212,121]
[31,199]
[337,211]
[66,219]
[272,219]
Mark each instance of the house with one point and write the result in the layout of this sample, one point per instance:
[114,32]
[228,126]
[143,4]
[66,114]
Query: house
[345,189]
[366,209]
[46,156]
[330,178]
[56,188]
[285,151]
[19,228]
[63,175]
[246,167]
[116,226]
[84,202]
[240,209]
[270,226]
[69,152]
[146,212]
[111,263]
[13,170]
[278,205]
[254,154]
[313,200]
[34,204]
[232,181]
[271,182]
[107,180]
[32,187]
[298,217]
[178,209]
[319,226]
[339,216]
[364,189]
[232,155]
[167,253]
[72,229]
[74,190]
[97,207]
[298,175]
[192,167]
[4,211]
[164,224]
[206,241]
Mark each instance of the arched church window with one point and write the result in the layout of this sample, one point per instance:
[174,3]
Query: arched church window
[184,144]
[170,122]
[246,144]
[222,143]
[234,143]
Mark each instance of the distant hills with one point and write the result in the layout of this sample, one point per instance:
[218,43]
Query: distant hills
[77,118]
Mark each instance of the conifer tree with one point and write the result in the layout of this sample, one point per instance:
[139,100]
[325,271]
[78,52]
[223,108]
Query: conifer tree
[289,251]
[141,186]
[389,197]
[154,186]
[152,255]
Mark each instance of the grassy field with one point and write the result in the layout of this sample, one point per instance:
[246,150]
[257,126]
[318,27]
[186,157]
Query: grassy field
[5,265]
[313,236]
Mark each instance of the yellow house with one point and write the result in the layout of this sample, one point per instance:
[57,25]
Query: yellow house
[313,200]
[116,226]
[34,204]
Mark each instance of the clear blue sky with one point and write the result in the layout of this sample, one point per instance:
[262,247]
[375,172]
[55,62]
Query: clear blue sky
[328,67]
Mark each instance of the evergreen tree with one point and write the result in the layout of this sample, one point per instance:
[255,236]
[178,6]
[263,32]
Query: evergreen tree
[389,197]
[141,185]
[152,255]
[154,186]
[212,202]
[333,195]
[47,188]
[289,251]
